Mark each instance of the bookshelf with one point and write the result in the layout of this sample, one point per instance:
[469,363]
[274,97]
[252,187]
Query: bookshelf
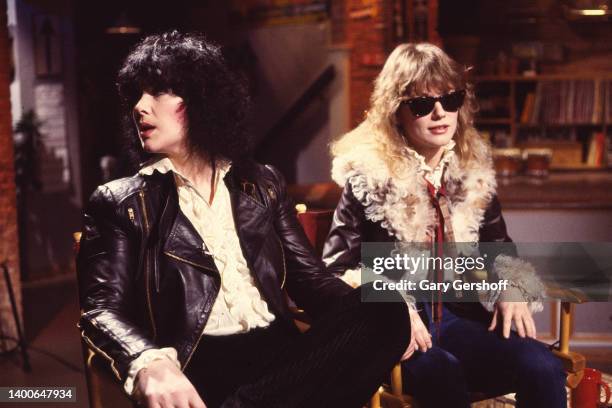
[571,114]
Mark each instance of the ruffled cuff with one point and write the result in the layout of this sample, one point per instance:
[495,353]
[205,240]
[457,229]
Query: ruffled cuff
[352,277]
[143,360]
[525,285]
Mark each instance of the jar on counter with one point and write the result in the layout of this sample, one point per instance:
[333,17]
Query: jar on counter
[537,161]
[508,161]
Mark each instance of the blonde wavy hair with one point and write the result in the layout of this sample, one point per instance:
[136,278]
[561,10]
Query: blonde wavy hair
[411,70]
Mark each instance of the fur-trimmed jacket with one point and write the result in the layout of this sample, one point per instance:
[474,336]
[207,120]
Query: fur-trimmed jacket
[379,204]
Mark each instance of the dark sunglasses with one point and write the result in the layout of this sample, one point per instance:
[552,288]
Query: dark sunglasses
[424,105]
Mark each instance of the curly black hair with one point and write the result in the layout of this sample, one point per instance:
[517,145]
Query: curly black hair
[189,66]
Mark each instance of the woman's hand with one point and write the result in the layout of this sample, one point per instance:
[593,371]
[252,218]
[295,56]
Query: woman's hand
[419,336]
[517,312]
[162,385]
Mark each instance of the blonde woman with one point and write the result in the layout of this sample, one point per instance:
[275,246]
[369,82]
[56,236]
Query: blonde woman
[417,171]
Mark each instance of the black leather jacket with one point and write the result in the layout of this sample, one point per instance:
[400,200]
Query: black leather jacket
[146,281]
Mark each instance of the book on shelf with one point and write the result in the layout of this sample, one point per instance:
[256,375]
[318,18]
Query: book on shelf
[597,102]
[572,102]
[528,106]
[535,113]
[608,155]
[568,101]
[608,100]
[597,149]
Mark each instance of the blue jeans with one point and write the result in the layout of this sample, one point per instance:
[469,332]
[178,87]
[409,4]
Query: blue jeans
[468,358]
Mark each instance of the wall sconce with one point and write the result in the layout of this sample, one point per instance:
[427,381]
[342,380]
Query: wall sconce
[588,10]
[123,25]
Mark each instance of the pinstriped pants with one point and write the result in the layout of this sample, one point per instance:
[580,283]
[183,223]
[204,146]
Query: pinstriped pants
[339,362]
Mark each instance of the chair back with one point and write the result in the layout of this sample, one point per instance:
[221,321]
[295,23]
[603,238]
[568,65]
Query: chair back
[316,225]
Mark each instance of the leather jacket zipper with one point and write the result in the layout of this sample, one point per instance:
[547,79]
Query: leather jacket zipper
[155,267]
[144,209]
[206,308]
[147,262]
[195,346]
[187,261]
[284,262]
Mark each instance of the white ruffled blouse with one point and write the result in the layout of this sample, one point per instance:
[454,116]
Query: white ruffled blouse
[434,176]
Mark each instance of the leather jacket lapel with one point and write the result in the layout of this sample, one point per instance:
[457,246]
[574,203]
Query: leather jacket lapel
[251,217]
[183,242]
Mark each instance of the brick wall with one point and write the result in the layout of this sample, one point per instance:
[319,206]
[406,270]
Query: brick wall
[338,16]
[367,26]
[8,212]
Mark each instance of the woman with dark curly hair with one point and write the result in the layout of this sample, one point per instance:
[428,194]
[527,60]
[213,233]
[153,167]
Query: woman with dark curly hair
[216,100]
[417,174]
[182,267]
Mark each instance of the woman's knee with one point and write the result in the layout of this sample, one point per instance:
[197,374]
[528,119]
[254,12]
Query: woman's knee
[435,378]
[535,359]
[434,364]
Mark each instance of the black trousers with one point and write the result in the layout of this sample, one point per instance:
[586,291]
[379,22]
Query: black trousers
[340,361]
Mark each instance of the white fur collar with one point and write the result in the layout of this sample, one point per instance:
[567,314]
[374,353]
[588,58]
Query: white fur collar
[400,200]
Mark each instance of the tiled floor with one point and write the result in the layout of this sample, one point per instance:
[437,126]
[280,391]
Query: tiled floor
[52,312]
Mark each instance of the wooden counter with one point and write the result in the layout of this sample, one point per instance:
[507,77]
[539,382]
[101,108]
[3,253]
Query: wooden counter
[560,190]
